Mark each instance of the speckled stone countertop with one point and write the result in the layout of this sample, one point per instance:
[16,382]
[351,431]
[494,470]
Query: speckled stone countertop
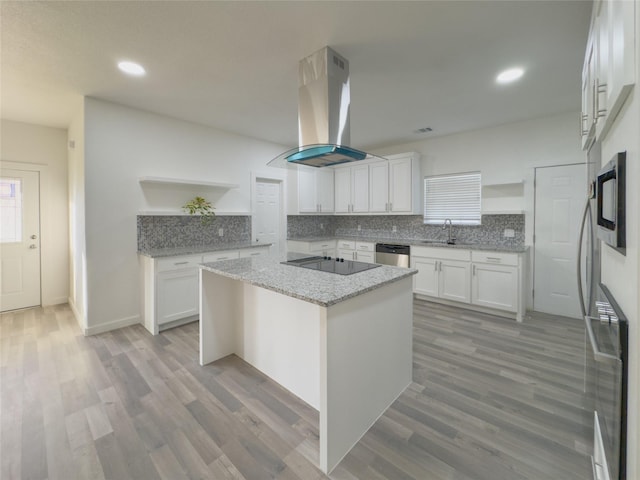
[418,242]
[194,250]
[321,288]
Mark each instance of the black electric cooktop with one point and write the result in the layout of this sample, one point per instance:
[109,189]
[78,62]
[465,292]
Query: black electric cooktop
[331,265]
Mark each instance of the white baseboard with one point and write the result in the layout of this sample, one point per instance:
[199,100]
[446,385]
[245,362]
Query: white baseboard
[55,301]
[113,325]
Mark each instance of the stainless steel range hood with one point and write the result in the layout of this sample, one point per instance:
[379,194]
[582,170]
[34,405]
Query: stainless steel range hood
[323,114]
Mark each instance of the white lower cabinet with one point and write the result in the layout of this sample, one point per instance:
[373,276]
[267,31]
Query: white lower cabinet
[358,251]
[324,248]
[442,277]
[171,286]
[492,280]
[495,286]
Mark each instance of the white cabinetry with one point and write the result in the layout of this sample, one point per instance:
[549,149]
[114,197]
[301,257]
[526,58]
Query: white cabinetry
[171,286]
[315,190]
[487,280]
[352,189]
[395,185]
[608,72]
[442,273]
[359,251]
[325,248]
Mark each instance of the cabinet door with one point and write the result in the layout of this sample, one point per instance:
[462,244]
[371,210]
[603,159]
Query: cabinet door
[346,254]
[454,281]
[324,189]
[224,255]
[379,187]
[360,189]
[425,282]
[621,57]
[342,177]
[177,295]
[400,185]
[588,91]
[495,286]
[307,192]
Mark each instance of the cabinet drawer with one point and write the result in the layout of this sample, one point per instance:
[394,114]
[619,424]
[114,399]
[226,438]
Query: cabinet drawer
[443,253]
[253,252]
[346,244]
[225,255]
[498,258]
[178,263]
[365,247]
[322,246]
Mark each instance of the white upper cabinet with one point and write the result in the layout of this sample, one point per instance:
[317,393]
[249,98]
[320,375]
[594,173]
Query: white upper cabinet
[315,190]
[352,189]
[608,73]
[405,192]
[379,187]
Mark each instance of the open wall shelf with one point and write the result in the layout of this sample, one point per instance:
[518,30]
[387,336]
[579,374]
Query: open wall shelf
[179,181]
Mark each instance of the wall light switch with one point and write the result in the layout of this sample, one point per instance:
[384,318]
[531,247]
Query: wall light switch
[509,232]
[221,232]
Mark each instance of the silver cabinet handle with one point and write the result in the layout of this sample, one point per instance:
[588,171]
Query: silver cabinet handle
[390,207]
[439,266]
[473,271]
[180,263]
[494,259]
[597,354]
[435,266]
[254,254]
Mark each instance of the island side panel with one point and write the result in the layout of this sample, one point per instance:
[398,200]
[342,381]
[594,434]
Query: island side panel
[281,337]
[221,310]
[366,363]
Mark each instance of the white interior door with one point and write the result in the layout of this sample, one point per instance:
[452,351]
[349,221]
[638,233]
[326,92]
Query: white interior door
[19,239]
[560,193]
[267,213]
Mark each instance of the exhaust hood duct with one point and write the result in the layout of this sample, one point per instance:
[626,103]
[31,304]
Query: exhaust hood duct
[323,114]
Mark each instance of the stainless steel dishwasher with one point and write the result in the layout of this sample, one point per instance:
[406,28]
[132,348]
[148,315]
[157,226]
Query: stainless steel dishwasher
[393,254]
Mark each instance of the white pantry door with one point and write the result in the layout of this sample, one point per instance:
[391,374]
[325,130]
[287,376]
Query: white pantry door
[19,239]
[266,213]
[560,195]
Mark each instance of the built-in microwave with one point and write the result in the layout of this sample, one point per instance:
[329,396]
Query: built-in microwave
[610,194]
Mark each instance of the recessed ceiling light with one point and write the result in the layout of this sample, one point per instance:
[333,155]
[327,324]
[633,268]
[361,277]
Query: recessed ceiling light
[132,68]
[510,75]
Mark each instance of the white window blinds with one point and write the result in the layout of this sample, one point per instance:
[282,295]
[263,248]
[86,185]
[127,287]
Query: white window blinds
[455,196]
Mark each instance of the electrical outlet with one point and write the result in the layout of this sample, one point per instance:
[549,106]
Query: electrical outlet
[394,229]
[322,226]
[509,233]
[359,228]
[221,232]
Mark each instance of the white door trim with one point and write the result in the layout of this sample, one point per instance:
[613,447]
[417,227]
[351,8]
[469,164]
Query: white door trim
[280,179]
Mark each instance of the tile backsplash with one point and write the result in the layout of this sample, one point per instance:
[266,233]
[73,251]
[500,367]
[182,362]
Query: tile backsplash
[174,231]
[407,227]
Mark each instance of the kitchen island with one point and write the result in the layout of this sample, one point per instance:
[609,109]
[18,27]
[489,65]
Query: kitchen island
[342,343]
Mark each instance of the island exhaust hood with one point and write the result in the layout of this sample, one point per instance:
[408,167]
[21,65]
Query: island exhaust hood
[323,114]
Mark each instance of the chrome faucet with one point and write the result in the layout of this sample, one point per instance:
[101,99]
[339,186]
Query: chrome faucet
[451,240]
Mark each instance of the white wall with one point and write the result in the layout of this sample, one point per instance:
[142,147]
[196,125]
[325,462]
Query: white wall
[77,244]
[622,273]
[122,144]
[506,153]
[44,149]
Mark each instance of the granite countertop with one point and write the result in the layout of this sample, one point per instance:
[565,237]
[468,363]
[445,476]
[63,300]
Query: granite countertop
[193,250]
[418,242]
[321,288]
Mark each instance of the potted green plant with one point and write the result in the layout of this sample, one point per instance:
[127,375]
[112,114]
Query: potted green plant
[200,206]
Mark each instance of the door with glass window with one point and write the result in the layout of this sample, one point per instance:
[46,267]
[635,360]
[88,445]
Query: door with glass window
[19,239]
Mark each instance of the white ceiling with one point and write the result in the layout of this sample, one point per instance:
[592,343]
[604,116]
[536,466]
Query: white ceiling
[233,65]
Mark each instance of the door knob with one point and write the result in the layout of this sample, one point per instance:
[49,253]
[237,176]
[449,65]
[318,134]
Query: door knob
[33,237]
[32,246]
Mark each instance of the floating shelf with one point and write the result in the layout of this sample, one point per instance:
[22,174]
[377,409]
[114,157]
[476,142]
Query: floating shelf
[180,181]
[503,184]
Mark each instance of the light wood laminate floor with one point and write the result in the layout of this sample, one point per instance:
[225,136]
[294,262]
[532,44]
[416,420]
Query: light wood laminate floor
[491,399]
